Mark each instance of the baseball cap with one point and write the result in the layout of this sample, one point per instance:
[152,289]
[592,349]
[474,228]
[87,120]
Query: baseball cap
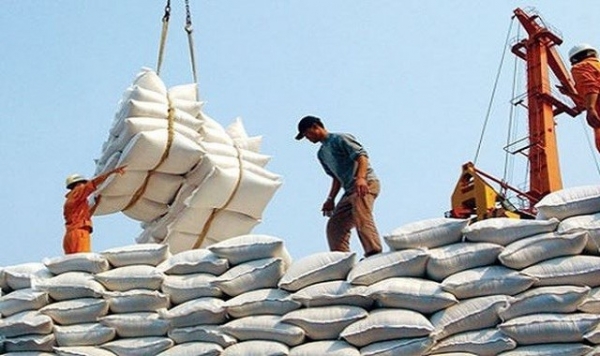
[306,123]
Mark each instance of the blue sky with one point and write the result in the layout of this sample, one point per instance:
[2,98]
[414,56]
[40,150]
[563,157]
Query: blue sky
[411,79]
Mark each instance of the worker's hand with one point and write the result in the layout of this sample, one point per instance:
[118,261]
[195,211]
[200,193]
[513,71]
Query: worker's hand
[592,118]
[120,170]
[327,208]
[361,186]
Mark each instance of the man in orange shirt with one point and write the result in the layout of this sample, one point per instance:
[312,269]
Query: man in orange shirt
[78,213]
[586,74]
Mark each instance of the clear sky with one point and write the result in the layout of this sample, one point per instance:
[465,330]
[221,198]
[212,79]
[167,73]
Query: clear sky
[411,79]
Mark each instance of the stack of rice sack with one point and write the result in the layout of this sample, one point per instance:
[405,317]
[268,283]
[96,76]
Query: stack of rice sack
[189,181]
[446,287]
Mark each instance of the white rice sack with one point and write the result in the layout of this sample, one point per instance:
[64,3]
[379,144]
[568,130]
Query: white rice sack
[138,254]
[531,250]
[405,347]
[76,311]
[91,334]
[568,349]
[149,80]
[486,342]
[110,204]
[247,248]
[247,192]
[325,347]
[591,302]
[405,263]
[28,353]
[450,259]
[139,324]
[131,277]
[416,294]
[193,349]
[257,348]
[122,185]
[257,274]
[316,268]
[196,312]
[25,323]
[189,225]
[324,323]
[30,343]
[187,92]
[136,300]
[570,202]
[142,346]
[89,262]
[470,314]
[503,231]
[202,333]
[145,150]
[22,300]
[426,233]
[140,93]
[549,328]
[552,299]
[593,335]
[132,126]
[333,293]
[70,285]
[264,327]
[82,351]
[145,210]
[385,325]
[261,302]
[219,151]
[192,286]
[588,223]
[487,280]
[20,276]
[194,261]
[572,270]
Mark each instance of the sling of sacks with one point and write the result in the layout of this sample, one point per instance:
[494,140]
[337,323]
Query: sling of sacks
[190,181]
[494,287]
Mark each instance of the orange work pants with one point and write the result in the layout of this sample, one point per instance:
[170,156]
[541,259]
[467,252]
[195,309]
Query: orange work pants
[77,240]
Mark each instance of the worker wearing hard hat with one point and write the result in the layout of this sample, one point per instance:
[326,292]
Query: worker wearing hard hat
[77,211]
[586,74]
[346,161]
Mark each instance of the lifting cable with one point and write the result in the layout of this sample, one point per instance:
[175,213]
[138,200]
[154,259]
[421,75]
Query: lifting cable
[511,124]
[489,109]
[188,29]
[163,35]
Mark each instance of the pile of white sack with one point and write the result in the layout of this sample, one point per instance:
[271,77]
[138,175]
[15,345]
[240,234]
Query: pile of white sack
[446,287]
[189,181]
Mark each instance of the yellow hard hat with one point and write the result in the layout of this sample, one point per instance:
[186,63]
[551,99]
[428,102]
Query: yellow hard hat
[73,179]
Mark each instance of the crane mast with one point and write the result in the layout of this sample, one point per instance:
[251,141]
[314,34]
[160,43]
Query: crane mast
[473,195]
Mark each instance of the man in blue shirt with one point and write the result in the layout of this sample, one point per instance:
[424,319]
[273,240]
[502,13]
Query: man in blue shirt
[346,161]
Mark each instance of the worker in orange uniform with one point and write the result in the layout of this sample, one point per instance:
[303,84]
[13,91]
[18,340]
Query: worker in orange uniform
[586,74]
[78,213]
[346,161]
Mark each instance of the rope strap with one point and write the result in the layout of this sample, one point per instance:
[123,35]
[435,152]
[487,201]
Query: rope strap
[216,211]
[170,136]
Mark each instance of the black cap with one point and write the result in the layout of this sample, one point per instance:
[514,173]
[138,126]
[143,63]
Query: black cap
[306,123]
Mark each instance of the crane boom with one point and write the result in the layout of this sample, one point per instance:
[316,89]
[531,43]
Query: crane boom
[542,59]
